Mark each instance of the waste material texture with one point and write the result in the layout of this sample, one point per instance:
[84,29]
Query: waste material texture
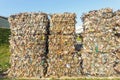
[28,45]
[42,47]
[66,65]
[63,61]
[101,43]
[63,23]
[100,64]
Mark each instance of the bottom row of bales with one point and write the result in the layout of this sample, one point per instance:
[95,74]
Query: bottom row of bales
[68,65]
[28,57]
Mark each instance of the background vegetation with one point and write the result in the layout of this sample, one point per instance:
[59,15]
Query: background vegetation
[4,49]
[4,22]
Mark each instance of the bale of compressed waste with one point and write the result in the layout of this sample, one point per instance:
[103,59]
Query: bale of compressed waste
[62,23]
[100,31]
[61,44]
[99,64]
[29,24]
[100,42]
[66,65]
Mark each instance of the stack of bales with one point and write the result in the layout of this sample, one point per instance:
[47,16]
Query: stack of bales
[28,44]
[61,57]
[100,43]
[116,31]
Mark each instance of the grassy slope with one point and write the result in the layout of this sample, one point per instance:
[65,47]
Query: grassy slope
[4,57]
[4,49]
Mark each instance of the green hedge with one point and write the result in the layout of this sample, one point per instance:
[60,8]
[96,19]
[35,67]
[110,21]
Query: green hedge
[4,36]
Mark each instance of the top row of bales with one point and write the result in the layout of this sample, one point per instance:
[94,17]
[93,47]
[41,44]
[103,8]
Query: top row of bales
[59,21]
[101,30]
[29,24]
[38,23]
[101,20]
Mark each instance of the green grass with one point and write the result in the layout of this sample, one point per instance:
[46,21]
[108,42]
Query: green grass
[4,57]
[4,49]
[4,36]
